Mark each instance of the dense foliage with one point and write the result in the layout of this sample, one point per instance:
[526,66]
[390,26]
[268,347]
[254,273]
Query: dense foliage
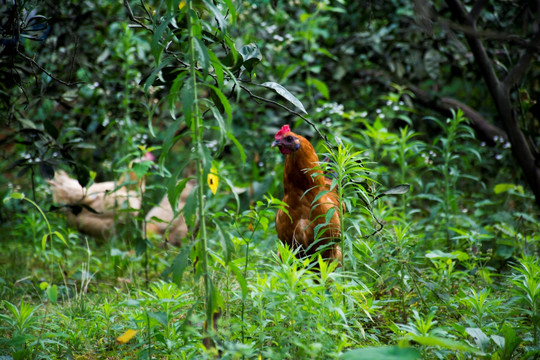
[448,269]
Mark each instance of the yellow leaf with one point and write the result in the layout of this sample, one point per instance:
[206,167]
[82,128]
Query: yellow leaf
[213,180]
[126,336]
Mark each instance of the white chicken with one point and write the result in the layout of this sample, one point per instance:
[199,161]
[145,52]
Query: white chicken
[161,217]
[109,200]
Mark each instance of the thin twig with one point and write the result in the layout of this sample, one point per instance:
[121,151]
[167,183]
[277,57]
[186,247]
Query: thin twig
[134,19]
[47,72]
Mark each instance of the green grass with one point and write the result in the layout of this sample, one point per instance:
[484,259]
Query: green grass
[454,274]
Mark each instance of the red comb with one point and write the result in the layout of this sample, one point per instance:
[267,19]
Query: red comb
[284,129]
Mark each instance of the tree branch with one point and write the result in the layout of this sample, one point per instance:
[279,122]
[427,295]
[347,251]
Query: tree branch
[477,8]
[485,130]
[478,50]
[47,72]
[517,72]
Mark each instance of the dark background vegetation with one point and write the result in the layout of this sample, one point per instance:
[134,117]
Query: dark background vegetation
[89,86]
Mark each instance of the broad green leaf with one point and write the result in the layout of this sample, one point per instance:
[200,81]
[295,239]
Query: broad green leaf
[442,342]
[179,265]
[320,86]
[500,188]
[52,293]
[481,339]
[16,195]
[286,94]
[382,353]
[160,317]
[251,56]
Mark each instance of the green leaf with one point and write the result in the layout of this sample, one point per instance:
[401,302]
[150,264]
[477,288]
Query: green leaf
[500,188]
[218,16]
[442,342]
[46,170]
[16,195]
[188,97]
[241,280]
[224,237]
[151,77]
[179,265]
[60,237]
[202,55]
[83,175]
[397,190]
[320,86]
[174,191]
[168,142]
[52,293]
[44,241]
[251,56]
[173,93]
[238,146]
[286,94]
[190,208]
[481,339]
[232,10]
[382,353]
[160,316]
[156,47]
[220,99]
[50,128]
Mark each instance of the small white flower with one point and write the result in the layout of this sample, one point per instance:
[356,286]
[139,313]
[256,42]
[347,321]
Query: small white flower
[401,103]
[482,144]
[395,108]
[271,29]
[363,114]
[507,145]
[498,156]
[381,116]
[378,111]
[388,102]
[278,38]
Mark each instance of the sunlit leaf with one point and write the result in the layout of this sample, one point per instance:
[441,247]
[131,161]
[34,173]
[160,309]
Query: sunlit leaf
[16,195]
[286,94]
[52,293]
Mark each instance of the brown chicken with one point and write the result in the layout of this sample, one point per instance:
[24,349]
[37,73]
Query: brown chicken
[301,185]
[109,201]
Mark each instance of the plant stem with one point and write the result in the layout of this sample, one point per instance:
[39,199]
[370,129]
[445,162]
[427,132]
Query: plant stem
[199,169]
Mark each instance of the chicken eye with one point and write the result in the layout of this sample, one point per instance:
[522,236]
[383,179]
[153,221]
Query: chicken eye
[289,138]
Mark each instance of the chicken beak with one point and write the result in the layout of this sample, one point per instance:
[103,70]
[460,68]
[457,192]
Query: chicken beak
[275,143]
